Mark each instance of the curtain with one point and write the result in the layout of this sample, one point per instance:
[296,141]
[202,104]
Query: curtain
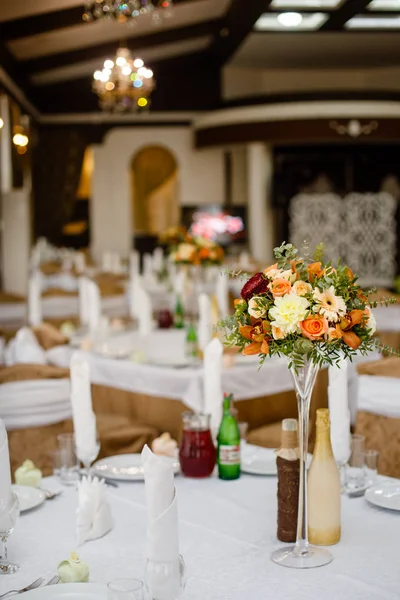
[56,169]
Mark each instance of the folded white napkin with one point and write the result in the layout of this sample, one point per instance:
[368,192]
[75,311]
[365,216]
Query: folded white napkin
[134,264]
[84,309]
[222,293]
[162,522]
[5,477]
[94,518]
[94,304]
[35,316]
[213,393]
[80,262]
[204,325]
[106,262]
[82,412]
[244,260]
[116,264]
[158,259]
[24,348]
[143,307]
[339,411]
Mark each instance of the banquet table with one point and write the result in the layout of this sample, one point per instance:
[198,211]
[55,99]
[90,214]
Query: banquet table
[227,531]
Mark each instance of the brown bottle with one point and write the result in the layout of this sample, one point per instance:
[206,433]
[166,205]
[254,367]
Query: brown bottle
[288,465]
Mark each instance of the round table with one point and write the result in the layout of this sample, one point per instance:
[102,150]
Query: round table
[227,532]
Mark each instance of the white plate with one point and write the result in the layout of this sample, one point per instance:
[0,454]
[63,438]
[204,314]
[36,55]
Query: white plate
[69,591]
[126,467]
[170,362]
[260,461]
[384,495]
[29,497]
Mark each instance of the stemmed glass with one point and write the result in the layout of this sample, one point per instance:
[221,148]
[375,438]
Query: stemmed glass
[165,580]
[88,458]
[8,517]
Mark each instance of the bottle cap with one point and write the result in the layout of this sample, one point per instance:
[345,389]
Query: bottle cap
[289,434]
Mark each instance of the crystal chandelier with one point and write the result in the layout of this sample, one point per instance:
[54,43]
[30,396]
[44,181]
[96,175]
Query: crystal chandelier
[122,10]
[124,84]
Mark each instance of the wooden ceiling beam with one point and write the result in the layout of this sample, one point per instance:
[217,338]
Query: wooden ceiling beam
[101,51]
[50,21]
[237,24]
[340,16]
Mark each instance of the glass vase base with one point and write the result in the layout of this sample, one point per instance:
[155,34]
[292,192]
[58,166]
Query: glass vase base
[7,568]
[294,558]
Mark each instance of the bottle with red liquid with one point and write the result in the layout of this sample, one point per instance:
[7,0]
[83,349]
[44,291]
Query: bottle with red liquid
[165,318]
[197,453]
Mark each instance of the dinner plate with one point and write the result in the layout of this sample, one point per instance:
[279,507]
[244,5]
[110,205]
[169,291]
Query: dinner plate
[68,591]
[256,460]
[385,495]
[126,467]
[29,497]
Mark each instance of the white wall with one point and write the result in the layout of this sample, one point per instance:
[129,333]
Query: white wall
[201,180]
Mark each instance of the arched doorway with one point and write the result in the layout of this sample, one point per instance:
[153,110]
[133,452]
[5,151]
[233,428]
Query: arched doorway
[155,205]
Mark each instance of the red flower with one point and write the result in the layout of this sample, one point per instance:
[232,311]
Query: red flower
[256,285]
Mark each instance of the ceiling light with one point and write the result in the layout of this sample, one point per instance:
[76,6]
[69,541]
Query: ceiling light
[126,86]
[360,22]
[1,123]
[127,10]
[384,5]
[290,19]
[300,4]
[308,22]
[108,64]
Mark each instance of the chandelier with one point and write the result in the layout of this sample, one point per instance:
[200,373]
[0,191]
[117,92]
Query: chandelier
[124,84]
[122,10]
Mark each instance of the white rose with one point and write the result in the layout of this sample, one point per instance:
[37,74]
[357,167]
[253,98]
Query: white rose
[185,251]
[273,273]
[255,309]
[371,321]
[288,275]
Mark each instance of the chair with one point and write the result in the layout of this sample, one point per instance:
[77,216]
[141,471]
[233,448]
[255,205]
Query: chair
[378,415]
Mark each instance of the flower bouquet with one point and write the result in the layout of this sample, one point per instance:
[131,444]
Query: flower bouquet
[197,251]
[313,314]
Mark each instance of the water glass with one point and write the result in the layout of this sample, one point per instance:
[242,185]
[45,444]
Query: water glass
[355,473]
[165,580]
[125,589]
[9,513]
[243,428]
[68,461]
[88,459]
[371,460]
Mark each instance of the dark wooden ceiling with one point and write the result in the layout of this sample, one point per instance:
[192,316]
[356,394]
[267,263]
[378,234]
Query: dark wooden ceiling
[51,54]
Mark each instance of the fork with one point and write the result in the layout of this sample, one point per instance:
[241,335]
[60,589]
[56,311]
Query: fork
[53,581]
[33,586]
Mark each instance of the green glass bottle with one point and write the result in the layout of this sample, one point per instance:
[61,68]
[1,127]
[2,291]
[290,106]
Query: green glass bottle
[228,439]
[191,342]
[179,321]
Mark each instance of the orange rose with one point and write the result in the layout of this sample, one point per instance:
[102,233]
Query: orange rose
[280,287]
[314,271]
[314,327]
[204,253]
[351,339]
[271,268]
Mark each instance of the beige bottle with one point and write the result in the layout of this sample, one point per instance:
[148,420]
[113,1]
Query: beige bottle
[323,488]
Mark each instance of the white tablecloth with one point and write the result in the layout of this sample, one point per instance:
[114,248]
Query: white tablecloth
[387,318]
[227,532]
[244,380]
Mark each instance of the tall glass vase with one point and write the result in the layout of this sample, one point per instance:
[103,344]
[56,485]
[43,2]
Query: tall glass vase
[302,555]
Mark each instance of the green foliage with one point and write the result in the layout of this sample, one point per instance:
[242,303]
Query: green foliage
[319,252]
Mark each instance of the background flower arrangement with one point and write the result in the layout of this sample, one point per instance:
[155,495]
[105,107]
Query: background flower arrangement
[197,251]
[303,309]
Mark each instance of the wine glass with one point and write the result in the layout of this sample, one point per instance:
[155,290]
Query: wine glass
[87,458]
[8,516]
[165,580]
